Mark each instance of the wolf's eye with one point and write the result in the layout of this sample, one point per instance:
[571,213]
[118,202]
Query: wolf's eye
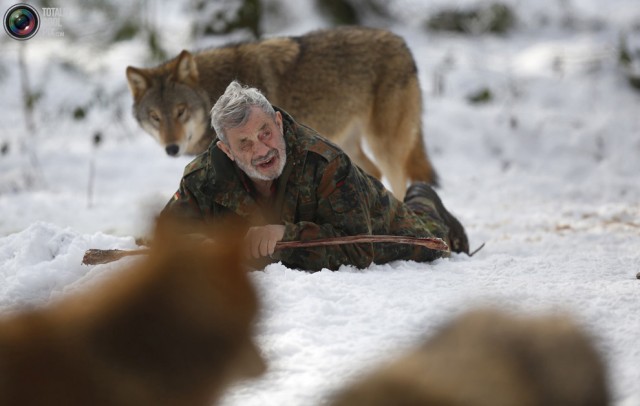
[154,116]
[181,110]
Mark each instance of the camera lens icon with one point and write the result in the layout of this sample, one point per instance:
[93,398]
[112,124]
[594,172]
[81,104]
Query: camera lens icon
[21,21]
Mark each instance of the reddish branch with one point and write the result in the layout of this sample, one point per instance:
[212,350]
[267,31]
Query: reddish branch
[98,256]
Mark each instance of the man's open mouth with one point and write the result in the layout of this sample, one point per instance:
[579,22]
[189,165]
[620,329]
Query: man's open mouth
[269,162]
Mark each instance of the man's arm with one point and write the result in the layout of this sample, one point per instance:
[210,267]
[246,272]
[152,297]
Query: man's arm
[183,205]
[343,195]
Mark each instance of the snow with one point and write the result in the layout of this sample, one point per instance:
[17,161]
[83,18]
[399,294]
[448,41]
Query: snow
[546,174]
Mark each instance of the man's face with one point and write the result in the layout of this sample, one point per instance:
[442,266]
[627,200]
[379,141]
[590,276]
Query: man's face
[258,147]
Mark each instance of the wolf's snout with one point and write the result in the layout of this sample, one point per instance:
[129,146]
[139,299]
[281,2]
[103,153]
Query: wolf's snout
[172,149]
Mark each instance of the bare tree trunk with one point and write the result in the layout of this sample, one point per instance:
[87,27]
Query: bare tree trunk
[33,173]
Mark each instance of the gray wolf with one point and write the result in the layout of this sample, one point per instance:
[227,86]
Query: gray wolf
[173,329]
[488,358]
[349,84]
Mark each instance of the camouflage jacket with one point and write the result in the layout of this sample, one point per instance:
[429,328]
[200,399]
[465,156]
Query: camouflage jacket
[320,194]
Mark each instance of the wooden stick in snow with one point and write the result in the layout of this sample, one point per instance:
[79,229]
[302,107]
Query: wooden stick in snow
[97,256]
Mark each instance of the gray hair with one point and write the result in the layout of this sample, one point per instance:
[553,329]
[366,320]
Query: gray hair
[233,108]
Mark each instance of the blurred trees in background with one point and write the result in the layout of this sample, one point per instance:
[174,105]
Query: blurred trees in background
[494,18]
[225,16]
[355,12]
[97,26]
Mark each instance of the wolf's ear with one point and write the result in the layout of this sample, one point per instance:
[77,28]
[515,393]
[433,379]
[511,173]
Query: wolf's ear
[138,81]
[186,69]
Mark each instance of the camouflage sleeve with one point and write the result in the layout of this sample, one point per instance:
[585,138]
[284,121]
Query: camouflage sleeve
[342,210]
[183,205]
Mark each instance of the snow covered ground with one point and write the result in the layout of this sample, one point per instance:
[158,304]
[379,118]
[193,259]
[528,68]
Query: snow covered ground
[547,174]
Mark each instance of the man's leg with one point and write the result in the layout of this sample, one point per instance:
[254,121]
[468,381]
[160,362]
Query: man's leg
[423,200]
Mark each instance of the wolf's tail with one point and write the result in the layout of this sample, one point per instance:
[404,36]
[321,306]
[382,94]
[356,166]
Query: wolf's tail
[418,166]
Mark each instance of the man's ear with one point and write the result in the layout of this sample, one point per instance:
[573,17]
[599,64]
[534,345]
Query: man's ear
[279,121]
[225,148]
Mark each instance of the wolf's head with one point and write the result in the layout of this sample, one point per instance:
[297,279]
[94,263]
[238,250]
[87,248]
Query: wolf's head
[170,104]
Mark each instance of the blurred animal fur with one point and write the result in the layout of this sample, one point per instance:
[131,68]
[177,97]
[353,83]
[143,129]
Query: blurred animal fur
[487,358]
[174,329]
[346,83]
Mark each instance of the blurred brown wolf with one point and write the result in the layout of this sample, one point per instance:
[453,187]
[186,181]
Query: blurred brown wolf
[487,358]
[174,329]
[347,83]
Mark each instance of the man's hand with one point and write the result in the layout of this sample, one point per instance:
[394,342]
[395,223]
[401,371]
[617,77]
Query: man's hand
[261,241]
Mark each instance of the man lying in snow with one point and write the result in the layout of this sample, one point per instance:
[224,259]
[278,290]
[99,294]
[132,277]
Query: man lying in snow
[290,184]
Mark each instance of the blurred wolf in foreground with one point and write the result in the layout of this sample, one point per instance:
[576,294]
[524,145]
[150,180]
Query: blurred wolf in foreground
[174,329]
[346,83]
[486,358]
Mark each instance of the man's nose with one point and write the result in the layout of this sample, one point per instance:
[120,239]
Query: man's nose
[261,149]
